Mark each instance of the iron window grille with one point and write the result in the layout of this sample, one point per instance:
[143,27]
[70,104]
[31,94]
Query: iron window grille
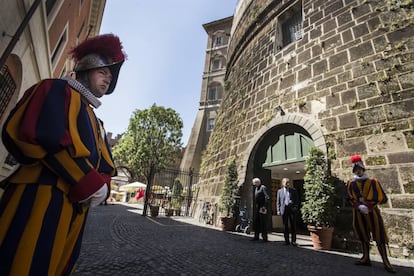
[292,28]
[7,89]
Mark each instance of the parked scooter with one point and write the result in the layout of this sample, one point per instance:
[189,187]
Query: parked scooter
[244,225]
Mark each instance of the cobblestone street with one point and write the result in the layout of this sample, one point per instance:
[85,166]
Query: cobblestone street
[118,240]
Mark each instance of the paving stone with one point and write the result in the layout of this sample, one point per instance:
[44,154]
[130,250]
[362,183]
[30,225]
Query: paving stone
[118,240]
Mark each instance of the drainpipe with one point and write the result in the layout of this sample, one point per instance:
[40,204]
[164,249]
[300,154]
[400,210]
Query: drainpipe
[18,33]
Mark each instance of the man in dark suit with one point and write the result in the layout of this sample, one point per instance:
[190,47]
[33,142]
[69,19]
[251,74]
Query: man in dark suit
[261,199]
[287,206]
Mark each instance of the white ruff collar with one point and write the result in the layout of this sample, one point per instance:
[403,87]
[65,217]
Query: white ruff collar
[363,177]
[91,98]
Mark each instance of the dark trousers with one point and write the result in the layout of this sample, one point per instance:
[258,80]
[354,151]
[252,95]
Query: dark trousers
[260,226]
[289,216]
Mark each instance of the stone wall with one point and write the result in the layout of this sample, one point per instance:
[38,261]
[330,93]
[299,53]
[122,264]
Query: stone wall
[351,73]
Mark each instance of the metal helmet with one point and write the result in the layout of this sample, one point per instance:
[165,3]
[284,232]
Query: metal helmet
[357,161]
[100,51]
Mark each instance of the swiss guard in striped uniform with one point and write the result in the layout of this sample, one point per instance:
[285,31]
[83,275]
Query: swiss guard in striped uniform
[65,162]
[365,193]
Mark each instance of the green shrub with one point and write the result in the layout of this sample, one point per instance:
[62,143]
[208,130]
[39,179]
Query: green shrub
[176,194]
[318,208]
[230,190]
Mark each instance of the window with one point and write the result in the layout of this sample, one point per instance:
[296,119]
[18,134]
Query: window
[81,29]
[7,89]
[64,71]
[216,64]
[59,47]
[213,92]
[210,124]
[218,41]
[288,147]
[80,7]
[292,28]
[289,27]
[49,6]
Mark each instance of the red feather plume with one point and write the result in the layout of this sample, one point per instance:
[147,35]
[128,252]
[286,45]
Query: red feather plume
[355,158]
[107,45]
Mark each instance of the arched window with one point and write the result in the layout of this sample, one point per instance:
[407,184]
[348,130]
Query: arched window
[7,89]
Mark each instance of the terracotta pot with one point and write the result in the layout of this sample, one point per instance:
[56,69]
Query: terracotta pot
[154,210]
[321,237]
[228,223]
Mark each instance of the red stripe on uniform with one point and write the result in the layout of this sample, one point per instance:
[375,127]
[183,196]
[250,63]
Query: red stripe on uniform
[28,124]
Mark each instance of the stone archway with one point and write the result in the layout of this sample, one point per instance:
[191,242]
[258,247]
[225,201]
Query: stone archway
[307,123]
[252,164]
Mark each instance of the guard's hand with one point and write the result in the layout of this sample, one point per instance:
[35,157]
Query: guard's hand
[96,198]
[363,209]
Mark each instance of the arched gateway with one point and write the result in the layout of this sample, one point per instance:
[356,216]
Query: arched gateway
[279,150]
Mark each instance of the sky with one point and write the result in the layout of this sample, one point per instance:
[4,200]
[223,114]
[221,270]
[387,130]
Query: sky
[166,46]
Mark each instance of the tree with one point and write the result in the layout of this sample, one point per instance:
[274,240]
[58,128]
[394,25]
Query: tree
[151,143]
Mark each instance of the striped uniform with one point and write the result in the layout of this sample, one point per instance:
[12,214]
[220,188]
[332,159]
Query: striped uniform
[370,193]
[64,157]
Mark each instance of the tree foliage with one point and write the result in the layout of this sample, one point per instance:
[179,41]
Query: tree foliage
[318,208]
[230,190]
[151,143]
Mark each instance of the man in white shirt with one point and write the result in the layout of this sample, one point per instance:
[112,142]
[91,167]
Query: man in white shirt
[287,206]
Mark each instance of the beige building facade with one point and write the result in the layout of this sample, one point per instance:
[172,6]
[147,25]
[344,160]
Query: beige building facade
[337,75]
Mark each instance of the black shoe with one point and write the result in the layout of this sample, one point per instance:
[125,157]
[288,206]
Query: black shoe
[266,240]
[390,269]
[287,243]
[366,263]
[254,239]
[294,244]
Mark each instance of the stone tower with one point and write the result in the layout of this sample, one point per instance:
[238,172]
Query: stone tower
[337,75]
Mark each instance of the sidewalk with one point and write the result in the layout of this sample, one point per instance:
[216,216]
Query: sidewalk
[303,241]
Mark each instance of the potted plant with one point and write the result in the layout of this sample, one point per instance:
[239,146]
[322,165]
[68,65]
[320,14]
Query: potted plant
[154,200]
[319,209]
[169,211]
[228,197]
[177,197]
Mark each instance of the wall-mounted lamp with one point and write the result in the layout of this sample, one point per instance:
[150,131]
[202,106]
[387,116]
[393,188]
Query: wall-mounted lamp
[4,33]
[279,109]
